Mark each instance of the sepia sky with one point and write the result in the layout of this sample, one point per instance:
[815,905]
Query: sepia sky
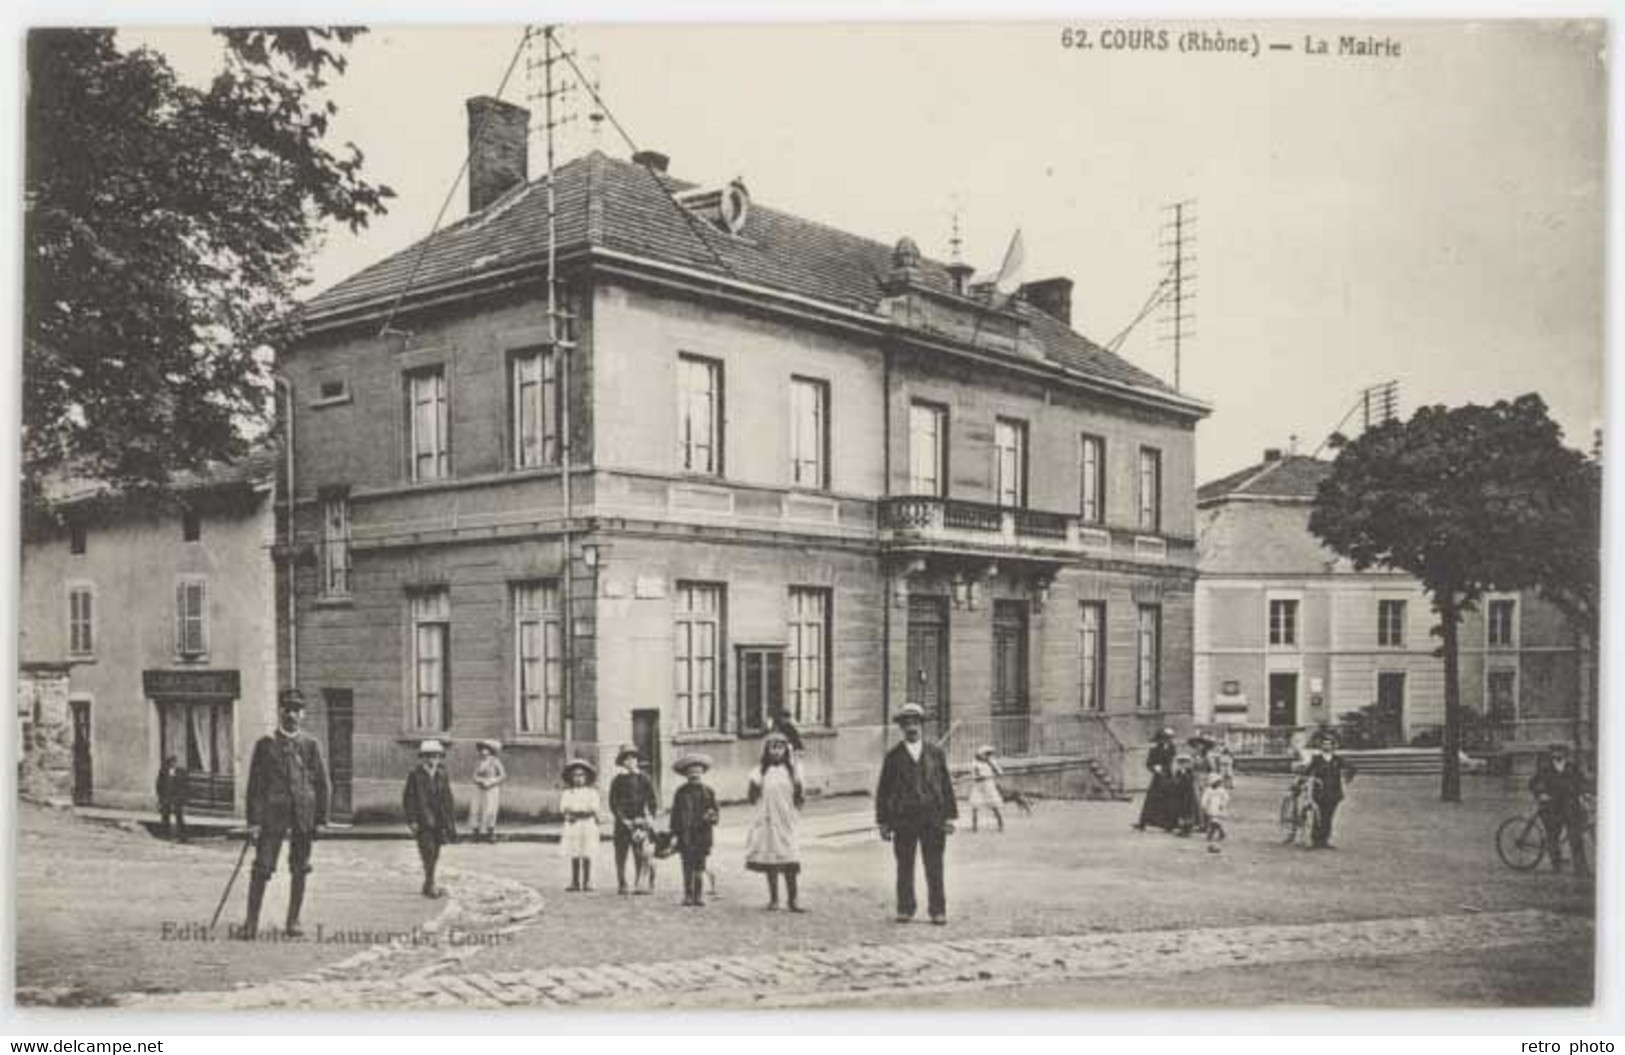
[1435,218]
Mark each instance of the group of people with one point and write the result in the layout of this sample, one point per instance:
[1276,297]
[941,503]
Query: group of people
[1190,789]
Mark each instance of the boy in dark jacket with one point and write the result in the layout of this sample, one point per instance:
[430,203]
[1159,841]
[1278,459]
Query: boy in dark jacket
[1559,786]
[430,812]
[632,804]
[694,815]
[172,797]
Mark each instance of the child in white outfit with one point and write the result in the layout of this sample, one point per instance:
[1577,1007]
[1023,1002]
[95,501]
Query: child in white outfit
[984,788]
[580,805]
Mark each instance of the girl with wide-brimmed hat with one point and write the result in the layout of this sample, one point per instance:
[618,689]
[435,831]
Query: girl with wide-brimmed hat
[984,786]
[579,804]
[488,777]
[770,848]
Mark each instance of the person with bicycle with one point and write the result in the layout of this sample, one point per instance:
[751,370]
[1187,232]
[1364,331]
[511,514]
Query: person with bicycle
[1559,788]
[1328,773]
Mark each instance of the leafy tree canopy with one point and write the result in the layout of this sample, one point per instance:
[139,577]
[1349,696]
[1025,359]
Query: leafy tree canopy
[1466,499]
[167,228]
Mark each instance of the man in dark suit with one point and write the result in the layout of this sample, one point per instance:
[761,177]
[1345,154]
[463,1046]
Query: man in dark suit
[287,800]
[172,797]
[1329,768]
[915,809]
[430,812]
[1559,786]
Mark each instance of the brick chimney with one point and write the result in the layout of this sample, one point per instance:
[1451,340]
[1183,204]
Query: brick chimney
[653,160]
[498,149]
[1052,296]
[1272,454]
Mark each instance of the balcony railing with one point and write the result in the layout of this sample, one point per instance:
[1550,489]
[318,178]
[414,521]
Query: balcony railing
[931,519]
[1476,736]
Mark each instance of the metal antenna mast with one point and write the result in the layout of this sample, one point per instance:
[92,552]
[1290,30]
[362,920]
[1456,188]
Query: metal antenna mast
[561,342]
[1177,235]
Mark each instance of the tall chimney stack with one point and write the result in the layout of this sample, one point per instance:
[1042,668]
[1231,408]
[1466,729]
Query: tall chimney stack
[1052,296]
[498,149]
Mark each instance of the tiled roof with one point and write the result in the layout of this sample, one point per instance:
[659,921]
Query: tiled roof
[605,203]
[257,467]
[1290,476]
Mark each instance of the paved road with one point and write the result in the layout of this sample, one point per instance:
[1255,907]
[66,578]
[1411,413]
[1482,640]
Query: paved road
[839,974]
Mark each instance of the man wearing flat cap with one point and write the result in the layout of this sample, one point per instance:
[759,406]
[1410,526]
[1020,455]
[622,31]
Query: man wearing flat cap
[287,801]
[915,811]
[431,815]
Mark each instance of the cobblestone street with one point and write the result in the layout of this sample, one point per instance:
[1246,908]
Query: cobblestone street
[930,967]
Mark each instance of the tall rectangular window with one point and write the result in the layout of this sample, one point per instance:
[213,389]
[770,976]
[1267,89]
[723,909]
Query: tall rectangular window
[1092,655]
[927,449]
[1501,688]
[336,545]
[1390,623]
[539,648]
[534,415]
[699,422]
[1501,624]
[1283,622]
[761,687]
[697,647]
[81,620]
[191,618]
[1010,461]
[191,525]
[428,442]
[807,657]
[1149,658]
[809,432]
[1092,481]
[1150,489]
[431,660]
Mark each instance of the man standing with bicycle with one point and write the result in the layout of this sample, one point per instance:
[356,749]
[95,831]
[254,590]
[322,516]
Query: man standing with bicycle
[1559,786]
[1327,774]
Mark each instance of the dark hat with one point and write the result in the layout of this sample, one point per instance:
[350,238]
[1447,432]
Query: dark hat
[581,764]
[626,749]
[909,711]
[1165,733]
[690,760]
[1202,741]
[1326,736]
[290,700]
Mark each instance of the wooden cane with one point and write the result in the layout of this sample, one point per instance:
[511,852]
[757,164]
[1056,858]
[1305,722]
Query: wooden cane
[241,857]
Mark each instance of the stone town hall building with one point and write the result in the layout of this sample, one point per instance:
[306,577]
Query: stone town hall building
[809,474]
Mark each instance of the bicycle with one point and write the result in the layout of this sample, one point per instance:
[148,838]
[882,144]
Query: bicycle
[1520,841]
[1298,814]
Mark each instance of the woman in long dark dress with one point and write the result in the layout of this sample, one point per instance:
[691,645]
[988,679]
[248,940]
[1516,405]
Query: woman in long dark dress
[1159,809]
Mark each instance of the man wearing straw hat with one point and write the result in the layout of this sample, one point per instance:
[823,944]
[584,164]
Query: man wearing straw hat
[915,811]
[286,801]
[430,812]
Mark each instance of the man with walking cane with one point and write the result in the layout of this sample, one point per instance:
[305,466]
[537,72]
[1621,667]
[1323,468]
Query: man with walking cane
[287,800]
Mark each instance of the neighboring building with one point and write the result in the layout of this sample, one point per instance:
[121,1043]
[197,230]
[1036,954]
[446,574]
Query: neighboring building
[1289,634]
[147,628]
[810,474]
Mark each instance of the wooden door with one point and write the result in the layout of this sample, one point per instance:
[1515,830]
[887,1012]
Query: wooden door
[928,662]
[1283,699]
[82,778]
[340,707]
[1391,706]
[646,738]
[1010,703]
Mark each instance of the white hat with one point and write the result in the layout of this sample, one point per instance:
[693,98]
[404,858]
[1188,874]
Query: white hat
[431,747]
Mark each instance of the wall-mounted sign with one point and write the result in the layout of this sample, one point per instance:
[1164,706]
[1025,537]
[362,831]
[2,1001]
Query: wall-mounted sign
[191,683]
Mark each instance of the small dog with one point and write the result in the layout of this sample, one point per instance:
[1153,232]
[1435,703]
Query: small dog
[645,849]
[1018,799]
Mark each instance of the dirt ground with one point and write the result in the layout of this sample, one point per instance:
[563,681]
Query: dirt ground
[92,900]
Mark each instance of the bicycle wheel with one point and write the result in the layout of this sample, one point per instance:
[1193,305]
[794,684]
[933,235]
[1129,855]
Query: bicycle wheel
[1289,819]
[1521,842]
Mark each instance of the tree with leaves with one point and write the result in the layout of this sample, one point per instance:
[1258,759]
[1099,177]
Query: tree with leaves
[167,229]
[1467,500]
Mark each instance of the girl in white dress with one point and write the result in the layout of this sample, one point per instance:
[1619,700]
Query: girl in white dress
[580,804]
[488,778]
[775,786]
[984,788]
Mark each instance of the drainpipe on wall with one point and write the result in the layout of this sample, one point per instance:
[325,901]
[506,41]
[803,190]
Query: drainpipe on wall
[293,598]
[885,565]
